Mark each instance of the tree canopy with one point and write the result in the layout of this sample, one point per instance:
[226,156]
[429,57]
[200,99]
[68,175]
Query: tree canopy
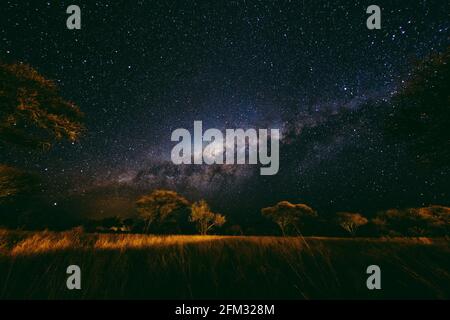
[14,182]
[32,113]
[205,219]
[288,216]
[350,221]
[432,220]
[163,210]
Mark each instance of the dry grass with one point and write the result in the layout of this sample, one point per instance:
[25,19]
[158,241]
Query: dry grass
[33,265]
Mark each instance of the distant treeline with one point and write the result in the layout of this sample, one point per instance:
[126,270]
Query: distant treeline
[167,212]
[34,117]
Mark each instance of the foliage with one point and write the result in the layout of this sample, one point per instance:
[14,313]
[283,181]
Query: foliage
[32,114]
[432,220]
[163,210]
[289,216]
[204,218]
[350,222]
[14,182]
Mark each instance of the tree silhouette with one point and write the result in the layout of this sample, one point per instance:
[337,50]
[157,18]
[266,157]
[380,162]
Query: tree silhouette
[288,216]
[32,114]
[427,221]
[163,210]
[204,218]
[14,183]
[351,222]
[16,195]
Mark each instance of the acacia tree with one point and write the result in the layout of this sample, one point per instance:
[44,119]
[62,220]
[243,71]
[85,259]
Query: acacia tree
[32,113]
[351,222]
[204,218]
[427,221]
[163,210]
[15,187]
[13,182]
[289,216]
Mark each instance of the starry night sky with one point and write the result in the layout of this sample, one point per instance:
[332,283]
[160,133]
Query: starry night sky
[140,69]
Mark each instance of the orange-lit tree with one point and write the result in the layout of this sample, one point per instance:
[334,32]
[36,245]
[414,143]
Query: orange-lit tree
[351,222]
[163,211]
[204,218]
[427,221]
[289,217]
[14,183]
[32,113]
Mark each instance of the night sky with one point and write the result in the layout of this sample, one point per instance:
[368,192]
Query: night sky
[140,69]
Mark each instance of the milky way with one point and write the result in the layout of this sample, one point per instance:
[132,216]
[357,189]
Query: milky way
[140,69]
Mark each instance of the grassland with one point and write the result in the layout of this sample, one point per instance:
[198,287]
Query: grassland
[124,266]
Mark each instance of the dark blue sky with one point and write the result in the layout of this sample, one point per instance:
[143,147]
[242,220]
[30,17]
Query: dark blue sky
[140,69]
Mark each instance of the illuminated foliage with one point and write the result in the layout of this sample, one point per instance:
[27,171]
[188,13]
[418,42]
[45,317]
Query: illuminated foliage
[32,114]
[163,210]
[350,222]
[289,216]
[14,182]
[433,220]
[204,218]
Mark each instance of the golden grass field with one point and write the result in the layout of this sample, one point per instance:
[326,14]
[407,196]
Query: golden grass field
[132,266]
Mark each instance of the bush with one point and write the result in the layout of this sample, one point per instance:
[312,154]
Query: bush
[427,221]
